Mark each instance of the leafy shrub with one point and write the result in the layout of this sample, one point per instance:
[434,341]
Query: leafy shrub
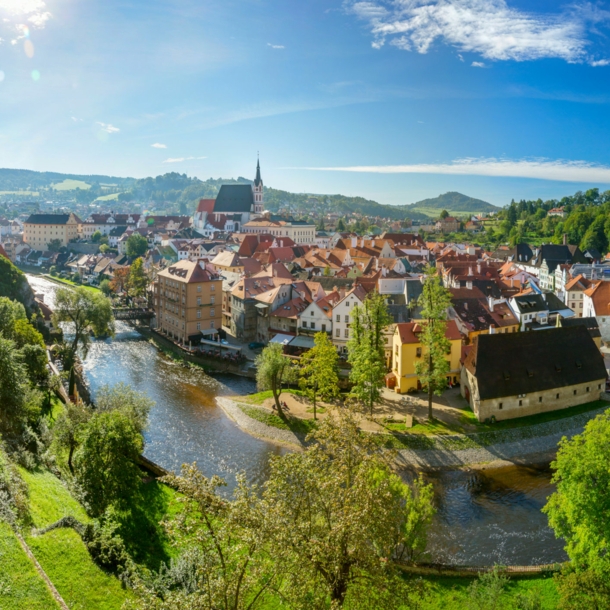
[106,546]
[14,499]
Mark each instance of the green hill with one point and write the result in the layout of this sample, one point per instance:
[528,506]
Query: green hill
[453,202]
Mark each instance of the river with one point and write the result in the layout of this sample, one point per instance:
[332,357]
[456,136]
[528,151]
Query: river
[483,517]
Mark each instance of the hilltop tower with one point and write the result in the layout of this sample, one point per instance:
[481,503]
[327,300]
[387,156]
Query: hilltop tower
[257,189]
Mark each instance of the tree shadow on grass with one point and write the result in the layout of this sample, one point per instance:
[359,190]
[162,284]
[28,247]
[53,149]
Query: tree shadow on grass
[141,529]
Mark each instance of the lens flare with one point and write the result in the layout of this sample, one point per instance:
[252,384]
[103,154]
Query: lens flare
[35,75]
[28,47]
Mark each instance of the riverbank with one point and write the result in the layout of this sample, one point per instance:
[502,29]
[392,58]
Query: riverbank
[527,445]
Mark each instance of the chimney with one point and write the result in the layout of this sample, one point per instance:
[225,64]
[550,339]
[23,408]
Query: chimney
[491,330]
[469,270]
[354,242]
[479,268]
[469,285]
[565,239]
[342,291]
[362,243]
[490,301]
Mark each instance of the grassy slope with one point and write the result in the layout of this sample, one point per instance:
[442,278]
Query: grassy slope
[70,185]
[62,553]
[20,586]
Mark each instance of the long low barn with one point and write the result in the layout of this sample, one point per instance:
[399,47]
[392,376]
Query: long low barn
[519,374]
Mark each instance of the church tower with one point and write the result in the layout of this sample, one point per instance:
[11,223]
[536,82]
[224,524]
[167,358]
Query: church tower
[257,189]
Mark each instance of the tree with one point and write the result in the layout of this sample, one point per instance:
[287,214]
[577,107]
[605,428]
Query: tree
[12,389]
[54,245]
[578,510]
[485,593]
[121,397]
[366,349]
[136,245]
[318,375]
[104,248]
[443,214]
[433,367]
[106,287]
[340,226]
[86,311]
[120,281]
[273,369]
[10,312]
[69,427]
[337,517]
[106,461]
[25,334]
[582,590]
[138,281]
[95,238]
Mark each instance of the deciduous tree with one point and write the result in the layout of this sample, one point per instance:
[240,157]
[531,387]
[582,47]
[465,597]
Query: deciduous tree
[366,349]
[138,279]
[433,366]
[87,312]
[13,374]
[69,428]
[272,369]
[136,245]
[318,375]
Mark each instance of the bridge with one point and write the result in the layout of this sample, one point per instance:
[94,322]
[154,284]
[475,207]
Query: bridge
[133,313]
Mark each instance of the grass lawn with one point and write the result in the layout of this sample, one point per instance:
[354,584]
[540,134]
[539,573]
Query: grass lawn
[71,185]
[299,426]
[260,397]
[62,554]
[452,593]
[62,280]
[20,584]
[110,197]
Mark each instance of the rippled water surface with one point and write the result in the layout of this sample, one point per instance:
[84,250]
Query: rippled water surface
[484,517]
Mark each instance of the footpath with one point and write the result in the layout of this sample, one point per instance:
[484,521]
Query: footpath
[521,445]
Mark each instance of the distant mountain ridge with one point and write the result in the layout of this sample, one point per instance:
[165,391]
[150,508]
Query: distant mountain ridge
[185,191]
[453,202]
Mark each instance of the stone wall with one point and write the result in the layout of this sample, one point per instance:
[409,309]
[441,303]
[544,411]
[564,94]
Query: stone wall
[510,407]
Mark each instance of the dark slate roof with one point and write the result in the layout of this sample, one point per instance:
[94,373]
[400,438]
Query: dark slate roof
[531,303]
[509,364]
[521,253]
[234,198]
[554,303]
[414,289]
[589,323]
[48,219]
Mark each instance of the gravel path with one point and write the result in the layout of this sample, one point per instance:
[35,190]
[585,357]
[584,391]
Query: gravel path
[257,428]
[448,451]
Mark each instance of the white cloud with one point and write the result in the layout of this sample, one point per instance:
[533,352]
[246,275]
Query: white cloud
[14,12]
[477,64]
[181,159]
[157,145]
[77,120]
[107,127]
[541,169]
[276,46]
[489,28]
[600,62]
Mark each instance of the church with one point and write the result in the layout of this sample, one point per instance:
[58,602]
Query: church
[235,205]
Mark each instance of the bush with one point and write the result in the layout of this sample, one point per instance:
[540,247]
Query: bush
[76,278]
[106,546]
[53,270]
[14,500]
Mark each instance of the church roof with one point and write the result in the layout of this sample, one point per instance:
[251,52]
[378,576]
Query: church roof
[258,181]
[234,198]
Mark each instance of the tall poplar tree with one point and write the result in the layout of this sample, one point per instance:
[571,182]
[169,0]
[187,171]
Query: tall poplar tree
[433,367]
[319,375]
[366,349]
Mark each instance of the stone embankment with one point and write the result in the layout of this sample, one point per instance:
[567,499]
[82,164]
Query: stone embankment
[522,445]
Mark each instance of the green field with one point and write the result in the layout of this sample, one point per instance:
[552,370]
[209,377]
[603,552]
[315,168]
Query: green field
[71,185]
[110,197]
[434,213]
[32,193]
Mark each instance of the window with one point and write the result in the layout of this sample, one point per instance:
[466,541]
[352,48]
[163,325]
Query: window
[557,396]
[212,288]
[199,313]
[313,325]
[599,387]
[337,333]
[312,313]
[211,300]
[338,318]
[323,328]
[347,333]
[347,319]
[587,388]
[574,392]
[212,324]
[198,288]
[211,312]
[500,406]
[539,398]
[347,303]
[198,300]
[418,352]
[198,325]
[520,403]
[304,324]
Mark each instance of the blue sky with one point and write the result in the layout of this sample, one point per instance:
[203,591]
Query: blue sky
[395,100]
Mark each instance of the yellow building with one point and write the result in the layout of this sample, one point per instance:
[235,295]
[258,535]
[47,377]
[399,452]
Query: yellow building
[41,229]
[188,301]
[407,351]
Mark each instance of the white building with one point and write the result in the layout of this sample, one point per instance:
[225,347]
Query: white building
[342,318]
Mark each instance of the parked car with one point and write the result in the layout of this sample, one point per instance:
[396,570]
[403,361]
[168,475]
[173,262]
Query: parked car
[256,345]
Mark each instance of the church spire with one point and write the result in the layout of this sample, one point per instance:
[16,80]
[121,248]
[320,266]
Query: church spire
[258,181]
